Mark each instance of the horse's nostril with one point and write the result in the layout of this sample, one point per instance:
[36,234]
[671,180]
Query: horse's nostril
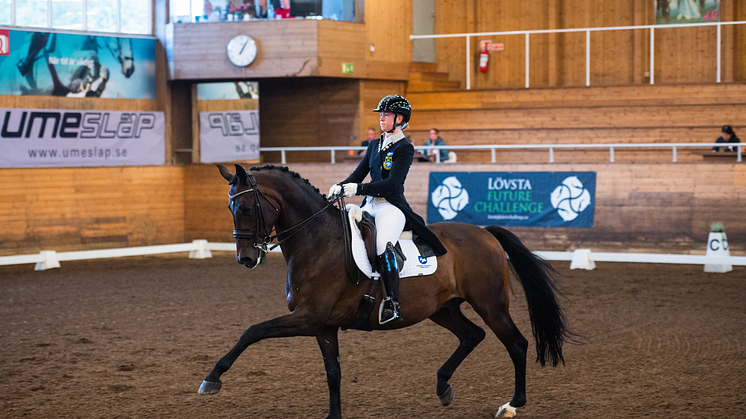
[247,261]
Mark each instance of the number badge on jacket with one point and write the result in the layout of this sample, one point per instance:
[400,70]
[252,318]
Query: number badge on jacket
[388,160]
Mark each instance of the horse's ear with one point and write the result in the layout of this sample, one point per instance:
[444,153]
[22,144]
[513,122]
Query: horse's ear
[241,173]
[225,173]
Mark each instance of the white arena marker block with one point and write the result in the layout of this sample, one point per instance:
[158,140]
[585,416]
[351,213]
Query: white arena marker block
[50,261]
[202,251]
[717,245]
[581,259]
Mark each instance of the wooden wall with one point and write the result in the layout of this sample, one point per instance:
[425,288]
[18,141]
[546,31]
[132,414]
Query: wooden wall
[595,115]
[661,208]
[66,209]
[298,112]
[686,55]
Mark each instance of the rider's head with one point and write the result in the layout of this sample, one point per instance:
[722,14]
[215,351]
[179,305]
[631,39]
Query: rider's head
[395,112]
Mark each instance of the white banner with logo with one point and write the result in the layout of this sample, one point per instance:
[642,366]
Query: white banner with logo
[67,138]
[228,136]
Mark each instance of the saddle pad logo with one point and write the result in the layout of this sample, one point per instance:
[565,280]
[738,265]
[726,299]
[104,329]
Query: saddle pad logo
[388,160]
[422,260]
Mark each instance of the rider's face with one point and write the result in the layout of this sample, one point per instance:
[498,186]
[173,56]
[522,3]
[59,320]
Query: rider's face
[387,121]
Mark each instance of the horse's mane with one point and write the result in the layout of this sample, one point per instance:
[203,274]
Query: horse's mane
[283,169]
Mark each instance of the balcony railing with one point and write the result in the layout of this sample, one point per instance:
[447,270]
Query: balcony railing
[587,31]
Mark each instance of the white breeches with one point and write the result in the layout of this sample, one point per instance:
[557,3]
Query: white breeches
[389,223]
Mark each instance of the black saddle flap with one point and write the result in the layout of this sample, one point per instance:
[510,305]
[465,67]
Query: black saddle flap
[367,226]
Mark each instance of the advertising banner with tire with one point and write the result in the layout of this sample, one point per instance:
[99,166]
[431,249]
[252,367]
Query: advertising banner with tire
[519,199]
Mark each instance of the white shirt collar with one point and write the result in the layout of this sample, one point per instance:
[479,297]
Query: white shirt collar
[392,139]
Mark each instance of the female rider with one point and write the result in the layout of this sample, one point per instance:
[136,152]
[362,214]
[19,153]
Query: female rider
[387,160]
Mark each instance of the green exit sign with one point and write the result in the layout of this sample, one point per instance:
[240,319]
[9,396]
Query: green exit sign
[348,68]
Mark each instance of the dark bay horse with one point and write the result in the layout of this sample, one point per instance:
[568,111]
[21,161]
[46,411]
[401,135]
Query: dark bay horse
[321,298]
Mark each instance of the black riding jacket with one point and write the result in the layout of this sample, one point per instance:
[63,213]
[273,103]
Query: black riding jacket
[388,169]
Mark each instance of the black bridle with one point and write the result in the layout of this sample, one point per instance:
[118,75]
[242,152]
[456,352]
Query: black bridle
[265,235]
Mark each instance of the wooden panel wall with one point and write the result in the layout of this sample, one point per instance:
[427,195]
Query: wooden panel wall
[686,55]
[54,102]
[66,209]
[595,115]
[308,112]
[662,208]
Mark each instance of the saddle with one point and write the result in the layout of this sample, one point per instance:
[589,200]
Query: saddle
[367,226]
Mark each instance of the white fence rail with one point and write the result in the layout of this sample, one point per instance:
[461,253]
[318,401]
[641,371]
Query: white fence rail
[201,249]
[494,147]
[587,31]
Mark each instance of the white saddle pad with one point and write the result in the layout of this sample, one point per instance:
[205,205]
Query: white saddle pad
[415,265]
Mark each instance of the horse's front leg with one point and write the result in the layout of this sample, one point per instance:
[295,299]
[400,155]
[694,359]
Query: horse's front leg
[330,351]
[293,324]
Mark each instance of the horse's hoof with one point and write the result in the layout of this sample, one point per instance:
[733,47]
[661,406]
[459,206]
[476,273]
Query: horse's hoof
[209,387]
[506,411]
[447,397]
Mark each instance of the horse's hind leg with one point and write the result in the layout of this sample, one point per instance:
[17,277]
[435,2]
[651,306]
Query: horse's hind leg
[469,335]
[498,319]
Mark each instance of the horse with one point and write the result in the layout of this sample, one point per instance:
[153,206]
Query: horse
[43,66]
[322,298]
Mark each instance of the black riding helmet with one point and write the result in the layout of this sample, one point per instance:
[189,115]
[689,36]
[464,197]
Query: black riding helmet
[398,105]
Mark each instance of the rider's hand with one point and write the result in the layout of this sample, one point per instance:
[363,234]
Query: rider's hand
[334,190]
[350,189]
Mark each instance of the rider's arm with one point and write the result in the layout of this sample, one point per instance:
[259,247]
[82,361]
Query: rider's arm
[399,169]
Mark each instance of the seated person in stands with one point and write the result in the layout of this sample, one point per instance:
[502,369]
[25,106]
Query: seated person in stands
[261,9]
[435,139]
[283,12]
[727,136]
[371,136]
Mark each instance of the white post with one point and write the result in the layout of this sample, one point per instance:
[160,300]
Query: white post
[49,13]
[85,15]
[739,154]
[717,246]
[50,261]
[652,55]
[334,160]
[718,80]
[468,63]
[492,151]
[201,252]
[587,58]
[284,160]
[551,154]
[582,259]
[527,51]
[674,154]
[611,154]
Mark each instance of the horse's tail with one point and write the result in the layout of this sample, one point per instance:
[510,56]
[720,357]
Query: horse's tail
[548,322]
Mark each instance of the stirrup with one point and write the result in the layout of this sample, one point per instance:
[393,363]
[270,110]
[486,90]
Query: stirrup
[394,307]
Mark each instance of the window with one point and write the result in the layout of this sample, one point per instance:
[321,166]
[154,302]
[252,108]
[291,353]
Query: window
[123,16]
[67,14]
[6,9]
[32,13]
[102,15]
[135,16]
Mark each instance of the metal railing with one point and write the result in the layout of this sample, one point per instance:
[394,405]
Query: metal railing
[494,147]
[587,31]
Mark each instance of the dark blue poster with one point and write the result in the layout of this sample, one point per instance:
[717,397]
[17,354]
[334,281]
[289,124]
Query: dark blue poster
[519,199]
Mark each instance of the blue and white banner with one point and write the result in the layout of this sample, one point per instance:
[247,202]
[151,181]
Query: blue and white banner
[519,199]
[60,64]
[228,136]
[69,138]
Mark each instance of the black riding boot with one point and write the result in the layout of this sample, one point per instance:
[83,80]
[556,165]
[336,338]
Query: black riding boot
[389,269]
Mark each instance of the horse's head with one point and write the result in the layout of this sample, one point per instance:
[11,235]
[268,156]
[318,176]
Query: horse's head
[254,215]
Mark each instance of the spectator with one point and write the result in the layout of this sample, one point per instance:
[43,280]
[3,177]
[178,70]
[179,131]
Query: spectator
[436,140]
[371,136]
[206,10]
[283,12]
[727,136]
[261,10]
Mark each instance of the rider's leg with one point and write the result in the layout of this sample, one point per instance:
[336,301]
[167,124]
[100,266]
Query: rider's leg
[36,44]
[389,225]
